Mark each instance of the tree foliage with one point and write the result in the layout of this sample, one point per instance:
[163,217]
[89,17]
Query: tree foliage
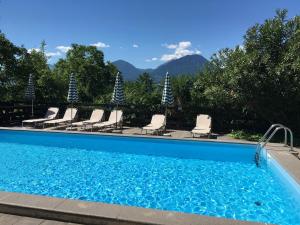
[143,91]
[13,69]
[263,76]
[93,76]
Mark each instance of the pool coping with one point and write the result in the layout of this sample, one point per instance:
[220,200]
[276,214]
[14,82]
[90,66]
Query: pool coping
[85,212]
[235,141]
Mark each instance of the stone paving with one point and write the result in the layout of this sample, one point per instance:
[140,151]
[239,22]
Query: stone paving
[8,219]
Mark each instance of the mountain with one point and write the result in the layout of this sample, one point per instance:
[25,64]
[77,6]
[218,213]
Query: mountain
[189,64]
[129,71]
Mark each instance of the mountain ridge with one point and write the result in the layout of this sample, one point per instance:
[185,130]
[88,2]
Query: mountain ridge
[190,64]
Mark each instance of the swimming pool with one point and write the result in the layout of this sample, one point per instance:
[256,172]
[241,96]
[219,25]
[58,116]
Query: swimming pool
[214,179]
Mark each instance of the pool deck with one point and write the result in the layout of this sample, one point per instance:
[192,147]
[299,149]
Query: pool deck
[8,219]
[17,207]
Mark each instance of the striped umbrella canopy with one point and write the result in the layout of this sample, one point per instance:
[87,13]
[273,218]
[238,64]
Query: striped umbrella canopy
[30,93]
[118,94]
[72,93]
[167,97]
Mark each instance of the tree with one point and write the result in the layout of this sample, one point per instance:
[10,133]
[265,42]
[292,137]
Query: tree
[47,86]
[143,91]
[181,88]
[11,69]
[270,79]
[94,77]
[261,78]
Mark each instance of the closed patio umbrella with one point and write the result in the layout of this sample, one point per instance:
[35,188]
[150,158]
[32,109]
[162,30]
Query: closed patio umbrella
[167,97]
[29,93]
[72,93]
[118,94]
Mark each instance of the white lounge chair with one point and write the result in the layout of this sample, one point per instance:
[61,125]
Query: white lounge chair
[157,124]
[51,114]
[96,117]
[69,116]
[203,125]
[115,119]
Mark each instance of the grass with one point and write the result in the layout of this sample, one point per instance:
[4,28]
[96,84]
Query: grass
[241,134]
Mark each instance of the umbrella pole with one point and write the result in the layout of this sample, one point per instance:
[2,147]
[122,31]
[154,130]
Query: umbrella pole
[71,115]
[117,117]
[31,107]
[166,114]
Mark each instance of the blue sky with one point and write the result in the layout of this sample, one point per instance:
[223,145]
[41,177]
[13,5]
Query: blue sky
[144,33]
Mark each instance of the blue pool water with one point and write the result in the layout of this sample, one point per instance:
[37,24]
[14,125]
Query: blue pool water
[204,178]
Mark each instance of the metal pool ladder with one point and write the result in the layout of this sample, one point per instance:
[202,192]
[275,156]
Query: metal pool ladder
[268,136]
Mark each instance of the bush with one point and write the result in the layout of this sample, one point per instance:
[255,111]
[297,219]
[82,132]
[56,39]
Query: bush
[240,134]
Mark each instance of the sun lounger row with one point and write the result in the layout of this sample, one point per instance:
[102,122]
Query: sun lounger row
[157,124]
[50,115]
[115,118]
[69,117]
[96,120]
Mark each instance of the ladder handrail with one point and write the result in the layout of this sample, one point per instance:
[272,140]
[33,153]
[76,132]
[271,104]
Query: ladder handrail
[266,138]
[269,130]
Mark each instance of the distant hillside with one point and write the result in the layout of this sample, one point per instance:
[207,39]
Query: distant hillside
[189,64]
[129,71]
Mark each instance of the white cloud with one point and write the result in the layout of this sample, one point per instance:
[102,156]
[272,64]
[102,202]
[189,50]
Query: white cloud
[135,46]
[198,52]
[172,46]
[169,46]
[63,49]
[35,49]
[183,48]
[49,55]
[53,54]
[100,45]
[152,59]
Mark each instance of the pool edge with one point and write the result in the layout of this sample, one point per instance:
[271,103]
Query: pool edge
[76,211]
[243,142]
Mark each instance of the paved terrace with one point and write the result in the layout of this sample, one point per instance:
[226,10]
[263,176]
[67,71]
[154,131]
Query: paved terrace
[8,219]
[32,209]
